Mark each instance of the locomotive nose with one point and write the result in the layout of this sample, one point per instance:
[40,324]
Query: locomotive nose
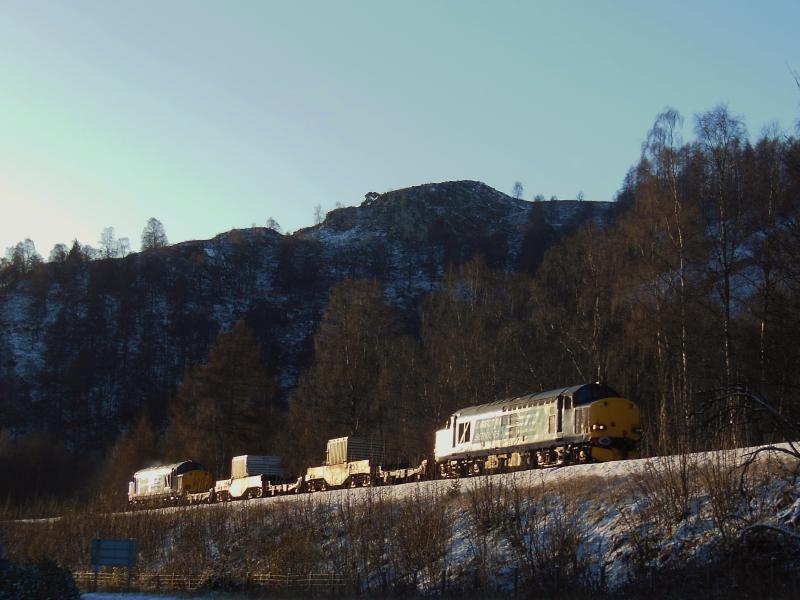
[615,428]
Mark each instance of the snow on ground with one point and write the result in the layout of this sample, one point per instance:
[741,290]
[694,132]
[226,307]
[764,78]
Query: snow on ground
[622,515]
[622,512]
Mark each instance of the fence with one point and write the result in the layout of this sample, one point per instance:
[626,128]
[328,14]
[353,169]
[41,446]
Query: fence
[148,582]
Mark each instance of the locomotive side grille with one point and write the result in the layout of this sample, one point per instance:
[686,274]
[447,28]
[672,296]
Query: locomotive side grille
[582,420]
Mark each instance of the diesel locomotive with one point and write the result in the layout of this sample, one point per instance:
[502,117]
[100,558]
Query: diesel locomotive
[578,424]
[168,484]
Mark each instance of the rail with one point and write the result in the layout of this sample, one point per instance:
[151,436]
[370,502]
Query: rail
[148,582]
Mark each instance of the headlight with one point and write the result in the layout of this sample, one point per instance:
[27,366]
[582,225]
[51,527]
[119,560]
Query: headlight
[598,427]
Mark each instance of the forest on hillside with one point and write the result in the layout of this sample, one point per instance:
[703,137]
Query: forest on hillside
[694,288]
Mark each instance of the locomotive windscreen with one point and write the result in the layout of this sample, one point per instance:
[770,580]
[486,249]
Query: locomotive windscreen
[591,392]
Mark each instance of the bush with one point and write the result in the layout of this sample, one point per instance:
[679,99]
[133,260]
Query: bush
[222,583]
[43,580]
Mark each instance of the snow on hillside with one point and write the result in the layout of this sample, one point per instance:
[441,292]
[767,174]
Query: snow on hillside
[601,527]
[141,319]
[624,518]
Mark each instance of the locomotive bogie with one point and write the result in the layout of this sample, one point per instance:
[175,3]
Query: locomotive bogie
[201,498]
[404,475]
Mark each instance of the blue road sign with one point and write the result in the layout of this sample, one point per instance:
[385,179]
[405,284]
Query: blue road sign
[114,553]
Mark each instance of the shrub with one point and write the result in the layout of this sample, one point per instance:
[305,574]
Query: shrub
[42,580]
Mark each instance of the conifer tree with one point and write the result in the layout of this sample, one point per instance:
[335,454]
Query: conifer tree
[226,406]
[134,450]
[338,395]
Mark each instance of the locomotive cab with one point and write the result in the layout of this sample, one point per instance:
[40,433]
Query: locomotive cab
[609,421]
[445,438]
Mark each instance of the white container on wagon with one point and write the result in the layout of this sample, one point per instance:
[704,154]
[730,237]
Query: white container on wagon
[248,465]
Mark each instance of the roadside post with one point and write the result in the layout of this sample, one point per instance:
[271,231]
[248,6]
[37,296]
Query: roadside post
[114,553]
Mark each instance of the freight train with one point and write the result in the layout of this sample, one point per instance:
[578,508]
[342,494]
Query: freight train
[573,425]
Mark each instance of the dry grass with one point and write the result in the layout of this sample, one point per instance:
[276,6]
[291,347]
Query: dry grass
[546,530]
[537,531]
[718,497]
[376,544]
[421,531]
[459,538]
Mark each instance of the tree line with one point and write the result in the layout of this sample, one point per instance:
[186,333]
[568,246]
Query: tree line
[693,287]
[22,258]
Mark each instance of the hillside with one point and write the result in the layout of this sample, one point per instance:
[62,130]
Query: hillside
[691,525]
[85,345]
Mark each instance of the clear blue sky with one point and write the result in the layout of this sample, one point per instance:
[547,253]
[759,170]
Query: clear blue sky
[214,115]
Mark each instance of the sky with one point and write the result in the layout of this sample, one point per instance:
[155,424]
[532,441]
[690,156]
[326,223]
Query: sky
[218,115]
